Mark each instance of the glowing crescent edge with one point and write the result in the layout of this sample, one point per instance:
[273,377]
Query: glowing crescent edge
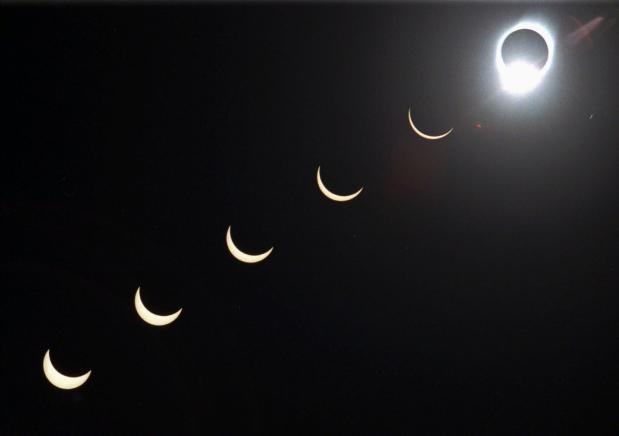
[423,135]
[238,254]
[330,194]
[150,317]
[60,380]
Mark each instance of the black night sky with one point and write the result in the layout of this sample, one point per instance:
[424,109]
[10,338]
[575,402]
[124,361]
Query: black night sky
[471,289]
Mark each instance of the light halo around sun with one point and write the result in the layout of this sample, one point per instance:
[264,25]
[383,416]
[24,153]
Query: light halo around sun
[520,77]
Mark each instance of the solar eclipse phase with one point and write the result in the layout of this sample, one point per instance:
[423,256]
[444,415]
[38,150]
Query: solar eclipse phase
[425,135]
[401,209]
[150,317]
[518,78]
[241,255]
[331,195]
[60,380]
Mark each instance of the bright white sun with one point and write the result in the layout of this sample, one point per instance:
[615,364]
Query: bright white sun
[520,77]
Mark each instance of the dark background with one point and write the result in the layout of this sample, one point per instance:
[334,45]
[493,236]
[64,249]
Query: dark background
[472,288]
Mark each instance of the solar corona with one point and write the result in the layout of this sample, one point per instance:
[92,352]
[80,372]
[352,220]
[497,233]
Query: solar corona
[520,77]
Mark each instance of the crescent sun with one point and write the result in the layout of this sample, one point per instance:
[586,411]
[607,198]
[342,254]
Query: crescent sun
[150,317]
[244,257]
[331,195]
[424,135]
[60,380]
